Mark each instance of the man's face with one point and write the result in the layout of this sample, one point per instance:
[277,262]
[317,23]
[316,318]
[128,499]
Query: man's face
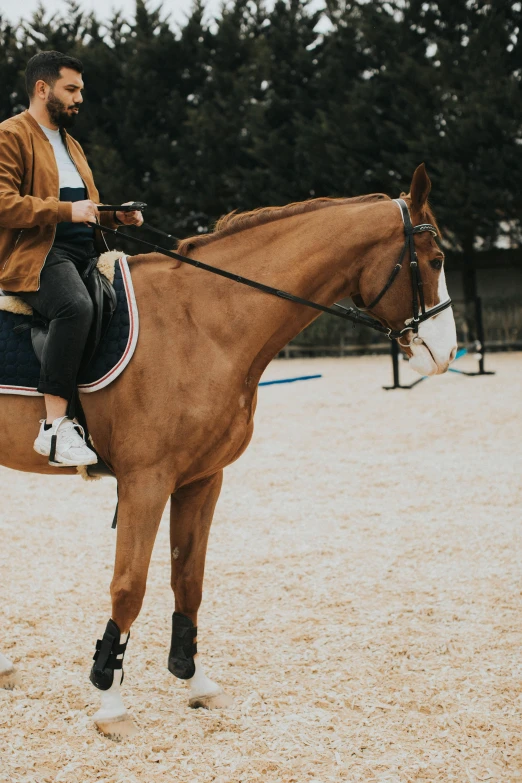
[64,98]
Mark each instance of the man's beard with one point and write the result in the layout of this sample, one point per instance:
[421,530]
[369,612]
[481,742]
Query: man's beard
[58,113]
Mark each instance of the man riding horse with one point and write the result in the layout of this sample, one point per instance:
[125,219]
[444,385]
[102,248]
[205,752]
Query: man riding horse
[47,198]
[384,256]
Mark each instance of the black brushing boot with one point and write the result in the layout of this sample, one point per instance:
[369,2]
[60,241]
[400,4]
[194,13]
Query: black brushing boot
[183,647]
[106,661]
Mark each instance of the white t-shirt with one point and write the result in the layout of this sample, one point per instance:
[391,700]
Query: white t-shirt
[69,177]
[71,189]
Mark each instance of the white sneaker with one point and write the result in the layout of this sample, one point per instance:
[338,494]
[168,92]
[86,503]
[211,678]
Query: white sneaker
[70,449]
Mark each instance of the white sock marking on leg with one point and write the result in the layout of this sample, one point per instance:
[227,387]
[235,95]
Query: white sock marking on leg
[112,705]
[200,684]
[5,664]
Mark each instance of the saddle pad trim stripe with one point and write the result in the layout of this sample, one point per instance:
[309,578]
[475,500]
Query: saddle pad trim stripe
[25,390]
[118,368]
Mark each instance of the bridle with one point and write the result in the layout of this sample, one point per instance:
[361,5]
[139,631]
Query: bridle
[355,315]
[420,314]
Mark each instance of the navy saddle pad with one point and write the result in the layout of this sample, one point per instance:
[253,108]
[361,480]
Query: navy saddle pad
[20,369]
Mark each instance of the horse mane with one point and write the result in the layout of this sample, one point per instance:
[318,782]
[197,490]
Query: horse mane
[235,221]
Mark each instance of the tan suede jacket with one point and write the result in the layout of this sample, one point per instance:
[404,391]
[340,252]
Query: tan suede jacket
[30,207]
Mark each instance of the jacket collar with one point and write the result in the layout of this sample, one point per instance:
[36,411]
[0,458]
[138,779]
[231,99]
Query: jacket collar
[35,126]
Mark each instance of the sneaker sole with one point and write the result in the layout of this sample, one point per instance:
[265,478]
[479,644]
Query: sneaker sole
[73,463]
[66,463]
[41,451]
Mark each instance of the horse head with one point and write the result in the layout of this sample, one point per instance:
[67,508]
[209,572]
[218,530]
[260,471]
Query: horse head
[402,298]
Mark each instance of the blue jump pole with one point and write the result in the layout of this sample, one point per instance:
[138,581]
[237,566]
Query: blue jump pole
[290,380]
[460,352]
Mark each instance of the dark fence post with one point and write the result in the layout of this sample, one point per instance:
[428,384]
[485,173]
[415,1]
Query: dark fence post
[481,339]
[480,333]
[395,364]
[481,350]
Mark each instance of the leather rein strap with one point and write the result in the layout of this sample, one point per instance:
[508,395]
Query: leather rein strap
[352,314]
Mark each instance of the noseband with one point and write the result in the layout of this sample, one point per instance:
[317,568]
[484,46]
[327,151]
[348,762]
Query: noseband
[420,313]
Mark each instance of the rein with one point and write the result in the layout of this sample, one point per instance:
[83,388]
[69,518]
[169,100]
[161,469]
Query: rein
[354,315]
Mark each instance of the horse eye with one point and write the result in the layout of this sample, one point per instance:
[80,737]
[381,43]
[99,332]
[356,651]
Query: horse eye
[436,263]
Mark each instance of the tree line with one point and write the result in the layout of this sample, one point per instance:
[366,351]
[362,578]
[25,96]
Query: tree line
[267,104]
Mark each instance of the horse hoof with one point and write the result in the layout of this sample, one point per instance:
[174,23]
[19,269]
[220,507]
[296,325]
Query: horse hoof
[116,729]
[9,679]
[216,701]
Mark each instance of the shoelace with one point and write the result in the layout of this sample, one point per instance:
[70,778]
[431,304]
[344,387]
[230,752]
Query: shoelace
[69,434]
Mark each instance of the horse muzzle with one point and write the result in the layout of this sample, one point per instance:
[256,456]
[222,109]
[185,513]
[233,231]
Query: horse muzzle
[434,347]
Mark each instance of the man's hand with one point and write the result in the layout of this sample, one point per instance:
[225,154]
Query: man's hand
[130,218]
[84,211]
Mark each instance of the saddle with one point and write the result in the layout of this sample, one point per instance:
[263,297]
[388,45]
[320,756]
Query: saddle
[104,301]
[114,330]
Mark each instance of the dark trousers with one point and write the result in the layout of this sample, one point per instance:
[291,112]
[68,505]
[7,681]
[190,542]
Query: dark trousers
[64,301]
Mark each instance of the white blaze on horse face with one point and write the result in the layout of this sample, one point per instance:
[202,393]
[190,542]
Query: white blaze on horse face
[439,339]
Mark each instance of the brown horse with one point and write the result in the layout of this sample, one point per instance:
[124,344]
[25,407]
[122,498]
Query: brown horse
[184,407]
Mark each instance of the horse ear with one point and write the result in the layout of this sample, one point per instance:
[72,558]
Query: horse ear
[420,187]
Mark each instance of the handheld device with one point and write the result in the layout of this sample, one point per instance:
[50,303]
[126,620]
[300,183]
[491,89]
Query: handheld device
[136,206]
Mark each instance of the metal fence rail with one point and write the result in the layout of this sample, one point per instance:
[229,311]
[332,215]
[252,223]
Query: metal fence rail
[501,329]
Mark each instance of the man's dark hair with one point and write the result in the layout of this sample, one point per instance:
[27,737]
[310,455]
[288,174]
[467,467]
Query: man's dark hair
[46,66]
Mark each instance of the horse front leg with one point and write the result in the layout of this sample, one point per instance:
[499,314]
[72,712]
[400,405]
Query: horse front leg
[8,674]
[142,498]
[191,512]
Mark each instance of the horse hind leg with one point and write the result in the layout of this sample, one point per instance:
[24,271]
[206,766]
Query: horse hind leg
[141,504]
[9,676]
[191,511]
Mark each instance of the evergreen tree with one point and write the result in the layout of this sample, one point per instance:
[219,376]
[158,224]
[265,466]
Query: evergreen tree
[476,57]
[286,96]
[262,106]
[211,149]
[12,64]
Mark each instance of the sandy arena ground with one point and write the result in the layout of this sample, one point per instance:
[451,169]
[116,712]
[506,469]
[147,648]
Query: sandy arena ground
[362,600]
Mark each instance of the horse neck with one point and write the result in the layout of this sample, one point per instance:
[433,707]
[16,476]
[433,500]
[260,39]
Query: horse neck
[317,256]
